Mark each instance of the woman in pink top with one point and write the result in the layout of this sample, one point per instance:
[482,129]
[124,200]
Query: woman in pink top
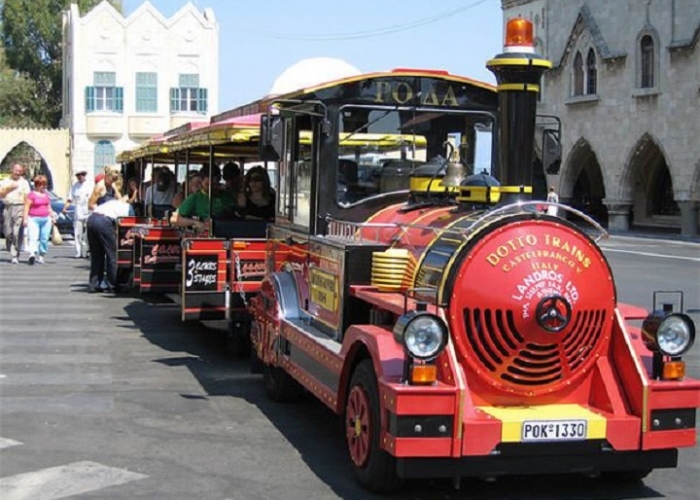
[37,219]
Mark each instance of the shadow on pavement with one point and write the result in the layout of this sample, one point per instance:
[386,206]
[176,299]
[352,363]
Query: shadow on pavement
[316,433]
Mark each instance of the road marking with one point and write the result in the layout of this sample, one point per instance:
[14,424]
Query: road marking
[650,254]
[64,481]
[6,443]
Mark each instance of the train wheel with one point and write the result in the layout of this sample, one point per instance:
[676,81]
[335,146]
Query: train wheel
[279,386]
[375,469]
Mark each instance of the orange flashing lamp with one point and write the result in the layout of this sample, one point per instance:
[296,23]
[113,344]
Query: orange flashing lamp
[519,33]
[673,370]
[423,374]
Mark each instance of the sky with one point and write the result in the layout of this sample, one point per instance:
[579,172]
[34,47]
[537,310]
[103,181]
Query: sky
[260,39]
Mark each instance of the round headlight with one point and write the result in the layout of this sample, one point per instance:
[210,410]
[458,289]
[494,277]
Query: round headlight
[675,334]
[423,335]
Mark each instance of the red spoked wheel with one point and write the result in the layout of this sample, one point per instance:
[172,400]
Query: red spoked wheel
[358,430]
[375,469]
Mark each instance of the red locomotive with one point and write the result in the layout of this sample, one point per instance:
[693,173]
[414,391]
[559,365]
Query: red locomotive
[457,329]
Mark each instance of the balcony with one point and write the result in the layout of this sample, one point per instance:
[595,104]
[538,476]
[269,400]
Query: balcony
[176,121]
[104,125]
[147,126]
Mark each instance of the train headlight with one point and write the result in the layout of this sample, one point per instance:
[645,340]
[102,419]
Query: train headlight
[424,335]
[669,334]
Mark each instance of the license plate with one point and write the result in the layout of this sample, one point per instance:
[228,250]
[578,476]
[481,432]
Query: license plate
[554,430]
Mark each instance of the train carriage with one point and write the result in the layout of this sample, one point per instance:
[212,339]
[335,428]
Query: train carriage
[420,293]
[200,270]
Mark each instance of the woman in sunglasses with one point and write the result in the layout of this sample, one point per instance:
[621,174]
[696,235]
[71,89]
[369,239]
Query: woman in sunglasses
[258,198]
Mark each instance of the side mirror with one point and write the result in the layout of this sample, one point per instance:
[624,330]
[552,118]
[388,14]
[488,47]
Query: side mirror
[271,137]
[551,151]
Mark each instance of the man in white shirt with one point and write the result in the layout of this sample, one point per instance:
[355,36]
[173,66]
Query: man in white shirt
[79,195]
[13,192]
[102,238]
[160,194]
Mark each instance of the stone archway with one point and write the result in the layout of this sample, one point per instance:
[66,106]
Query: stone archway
[52,145]
[582,182]
[647,182]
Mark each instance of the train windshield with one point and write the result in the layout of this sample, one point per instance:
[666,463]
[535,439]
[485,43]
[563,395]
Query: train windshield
[379,148]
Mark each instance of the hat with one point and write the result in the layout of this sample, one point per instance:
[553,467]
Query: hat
[99,177]
[81,172]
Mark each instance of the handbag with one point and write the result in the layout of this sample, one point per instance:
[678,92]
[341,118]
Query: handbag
[56,237]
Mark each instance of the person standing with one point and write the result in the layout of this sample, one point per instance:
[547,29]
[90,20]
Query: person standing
[37,219]
[102,239]
[79,195]
[108,188]
[552,197]
[13,192]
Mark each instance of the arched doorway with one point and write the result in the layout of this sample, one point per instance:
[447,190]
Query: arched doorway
[649,179]
[582,185]
[51,145]
[26,155]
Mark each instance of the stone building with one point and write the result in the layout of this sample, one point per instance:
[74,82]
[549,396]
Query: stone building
[626,85]
[128,79]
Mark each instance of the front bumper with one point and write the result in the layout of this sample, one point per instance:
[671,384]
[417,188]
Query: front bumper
[541,458]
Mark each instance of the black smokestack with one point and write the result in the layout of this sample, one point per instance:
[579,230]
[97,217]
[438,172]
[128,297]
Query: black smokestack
[518,72]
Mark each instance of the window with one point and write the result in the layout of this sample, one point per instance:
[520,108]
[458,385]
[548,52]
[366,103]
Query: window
[584,79]
[104,95]
[591,73]
[379,149]
[188,96]
[104,155]
[578,74]
[146,92]
[646,48]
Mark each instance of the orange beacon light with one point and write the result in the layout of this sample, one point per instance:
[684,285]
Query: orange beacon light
[518,35]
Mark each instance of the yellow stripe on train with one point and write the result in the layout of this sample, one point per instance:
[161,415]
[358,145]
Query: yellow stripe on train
[514,418]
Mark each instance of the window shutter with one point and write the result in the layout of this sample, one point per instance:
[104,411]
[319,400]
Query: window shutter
[202,101]
[174,100]
[89,98]
[119,99]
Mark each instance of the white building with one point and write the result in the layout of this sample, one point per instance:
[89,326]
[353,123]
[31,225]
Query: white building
[128,79]
[625,84]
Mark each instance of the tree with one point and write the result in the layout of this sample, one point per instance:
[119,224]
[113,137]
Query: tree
[31,38]
[18,107]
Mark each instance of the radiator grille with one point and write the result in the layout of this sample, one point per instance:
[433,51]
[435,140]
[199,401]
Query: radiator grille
[514,359]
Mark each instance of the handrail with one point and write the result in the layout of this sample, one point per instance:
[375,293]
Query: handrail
[351,231]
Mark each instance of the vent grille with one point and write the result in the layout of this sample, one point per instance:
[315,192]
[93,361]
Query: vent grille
[513,359]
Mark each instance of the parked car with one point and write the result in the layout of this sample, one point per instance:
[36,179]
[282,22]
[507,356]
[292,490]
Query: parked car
[64,222]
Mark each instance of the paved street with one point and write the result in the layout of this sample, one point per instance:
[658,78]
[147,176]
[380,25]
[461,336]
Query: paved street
[106,397]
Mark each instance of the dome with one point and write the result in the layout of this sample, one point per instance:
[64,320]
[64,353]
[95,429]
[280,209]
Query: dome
[310,72]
